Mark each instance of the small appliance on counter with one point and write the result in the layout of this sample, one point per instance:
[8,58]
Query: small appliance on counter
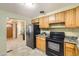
[55,44]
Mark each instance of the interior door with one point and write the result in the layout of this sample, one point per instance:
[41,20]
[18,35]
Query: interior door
[10,31]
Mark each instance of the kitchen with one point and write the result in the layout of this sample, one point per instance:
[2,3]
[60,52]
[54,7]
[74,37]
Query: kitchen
[59,32]
[39,29]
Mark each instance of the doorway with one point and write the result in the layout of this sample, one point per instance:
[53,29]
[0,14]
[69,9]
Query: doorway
[15,32]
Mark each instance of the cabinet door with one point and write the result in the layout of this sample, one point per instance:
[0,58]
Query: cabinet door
[33,21]
[43,22]
[38,42]
[43,44]
[70,52]
[10,32]
[51,19]
[70,18]
[69,49]
[77,16]
[60,17]
[46,22]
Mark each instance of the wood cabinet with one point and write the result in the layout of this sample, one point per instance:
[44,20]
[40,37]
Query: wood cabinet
[60,17]
[51,19]
[57,18]
[77,16]
[38,42]
[34,21]
[70,18]
[70,49]
[41,21]
[41,43]
[44,22]
[78,52]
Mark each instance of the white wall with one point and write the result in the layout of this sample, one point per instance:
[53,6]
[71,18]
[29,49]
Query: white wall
[19,27]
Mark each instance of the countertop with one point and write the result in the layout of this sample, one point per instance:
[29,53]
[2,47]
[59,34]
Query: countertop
[69,39]
[72,40]
[43,37]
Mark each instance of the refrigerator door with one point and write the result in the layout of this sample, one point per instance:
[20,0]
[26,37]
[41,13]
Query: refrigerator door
[29,36]
[32,31]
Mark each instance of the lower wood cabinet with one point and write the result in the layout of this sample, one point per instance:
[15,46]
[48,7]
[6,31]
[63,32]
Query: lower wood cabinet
[41,43]
[70,49]
[38,42]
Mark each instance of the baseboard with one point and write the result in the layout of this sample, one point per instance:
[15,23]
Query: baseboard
[4,54]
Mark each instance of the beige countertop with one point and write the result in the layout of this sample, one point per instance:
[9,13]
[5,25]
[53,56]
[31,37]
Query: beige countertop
[72,41]
[41,35]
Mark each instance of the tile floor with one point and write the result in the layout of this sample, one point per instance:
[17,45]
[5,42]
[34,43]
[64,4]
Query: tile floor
[19,48]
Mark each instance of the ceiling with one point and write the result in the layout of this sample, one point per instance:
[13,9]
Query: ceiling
[21,9]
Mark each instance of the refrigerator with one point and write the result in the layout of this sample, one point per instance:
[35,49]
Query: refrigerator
[31,31]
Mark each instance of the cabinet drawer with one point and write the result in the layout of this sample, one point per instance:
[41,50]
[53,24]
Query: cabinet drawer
[69,45]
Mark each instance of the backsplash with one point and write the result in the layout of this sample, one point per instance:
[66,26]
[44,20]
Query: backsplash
[68,31]
[47,31]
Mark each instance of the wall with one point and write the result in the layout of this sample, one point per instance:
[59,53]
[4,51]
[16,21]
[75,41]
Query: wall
[19,27]
[62,28]
[68,32]
[3,19]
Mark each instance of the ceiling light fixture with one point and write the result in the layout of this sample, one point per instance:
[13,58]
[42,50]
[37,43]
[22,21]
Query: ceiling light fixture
[30,5]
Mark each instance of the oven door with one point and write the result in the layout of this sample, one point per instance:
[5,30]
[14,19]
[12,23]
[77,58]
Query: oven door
[54,48]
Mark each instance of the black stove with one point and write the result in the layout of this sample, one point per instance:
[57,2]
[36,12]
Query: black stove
[55,44]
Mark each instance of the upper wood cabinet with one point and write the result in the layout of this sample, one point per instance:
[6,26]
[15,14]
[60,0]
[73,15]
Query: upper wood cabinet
[35,21]
[44,22]
[41,21]
[60,17]
[51,19]
[70,18]
[77,16]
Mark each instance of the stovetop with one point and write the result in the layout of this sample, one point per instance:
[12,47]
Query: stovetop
[53,40]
